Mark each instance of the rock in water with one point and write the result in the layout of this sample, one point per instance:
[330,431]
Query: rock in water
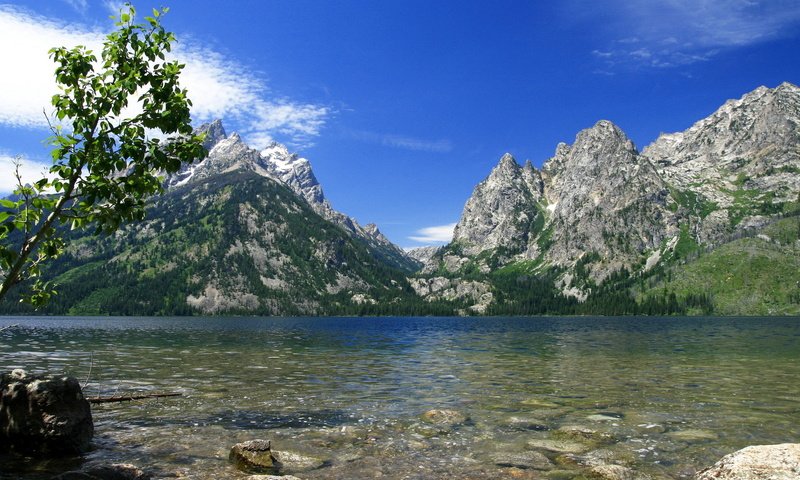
[760,462]
[43,414]
[253,456]
[117,471]
[444,417]
[532,460]
[296,462]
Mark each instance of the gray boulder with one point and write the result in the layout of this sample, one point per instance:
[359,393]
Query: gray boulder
[761,462]
[43,414]
[253,456]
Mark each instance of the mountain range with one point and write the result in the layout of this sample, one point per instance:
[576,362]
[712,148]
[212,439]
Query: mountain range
[700,221]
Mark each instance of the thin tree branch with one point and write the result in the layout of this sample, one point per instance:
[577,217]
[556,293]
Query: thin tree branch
[128,398]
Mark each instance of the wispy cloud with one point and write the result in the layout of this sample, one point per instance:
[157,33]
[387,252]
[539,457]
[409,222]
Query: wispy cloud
[674,33]
[220,87]
[437,234]
[403,142]
[29,170]
[78,5]
[113,6]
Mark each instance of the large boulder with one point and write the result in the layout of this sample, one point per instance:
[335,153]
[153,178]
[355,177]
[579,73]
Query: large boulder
[43,414]
[761,462]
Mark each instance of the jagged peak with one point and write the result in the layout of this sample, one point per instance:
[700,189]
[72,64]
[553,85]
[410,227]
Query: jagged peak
[528,167]
[507,163]
[275,148]
[603,131]
[214,131]
[372,229]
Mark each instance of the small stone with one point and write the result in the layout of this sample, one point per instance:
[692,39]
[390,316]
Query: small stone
[533,460]
[582,432]
[615,472]
[693,436]
[562,475]
[253,456]
[526,423]
[272,477]
[296,462]
[557,446]
[117,471]
[599,417]
[444,417]
[539,403]
[761,462]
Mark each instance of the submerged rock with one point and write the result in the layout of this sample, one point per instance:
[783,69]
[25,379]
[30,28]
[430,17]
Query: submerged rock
[117,471]
[581,432]
[272,477]
[615,472]
[253,456]
[693,436]
[761,462]
[43,414]
[532,460]
[557,446]
[601,417]
[440,417]
[525,423]
[296,462]
[539,403]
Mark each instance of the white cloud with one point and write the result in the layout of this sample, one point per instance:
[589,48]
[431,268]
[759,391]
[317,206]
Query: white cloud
[219,87]
[27,83]
[673,33]
[404,142]
[30,171]
[436,234]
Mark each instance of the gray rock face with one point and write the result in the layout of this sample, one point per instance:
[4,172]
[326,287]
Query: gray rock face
[604,198]
[762,462]
[43,414]
[601,197]
[501,210]
[423,255]
[744,154]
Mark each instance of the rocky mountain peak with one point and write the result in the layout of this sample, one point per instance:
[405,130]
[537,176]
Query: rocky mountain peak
[602,135]
[214,131]
[372,229]
[500,209]
[229,152]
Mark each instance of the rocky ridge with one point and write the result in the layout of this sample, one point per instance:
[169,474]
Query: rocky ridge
[229,153]
[599,206]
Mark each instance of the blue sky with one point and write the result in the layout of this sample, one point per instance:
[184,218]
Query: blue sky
[402,107]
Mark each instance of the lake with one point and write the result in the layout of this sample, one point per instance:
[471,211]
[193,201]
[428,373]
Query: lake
[664,396]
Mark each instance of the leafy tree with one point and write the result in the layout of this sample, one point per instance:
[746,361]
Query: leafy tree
[104,164]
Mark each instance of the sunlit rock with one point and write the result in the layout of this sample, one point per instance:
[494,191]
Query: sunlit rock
[253,456]
[761,462]
[43,414]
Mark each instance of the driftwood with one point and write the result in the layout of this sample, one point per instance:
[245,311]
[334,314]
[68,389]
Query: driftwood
[9,327]
[129,398]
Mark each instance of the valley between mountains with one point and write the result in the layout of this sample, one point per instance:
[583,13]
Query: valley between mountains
[705,221]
